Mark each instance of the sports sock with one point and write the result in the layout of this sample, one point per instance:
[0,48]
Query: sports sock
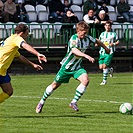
[46,94]
[3,97]
[105,74]
[79,92]
[108,70]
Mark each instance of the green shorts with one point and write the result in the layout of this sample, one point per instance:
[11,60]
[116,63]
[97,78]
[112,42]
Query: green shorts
[63,75]
[105,59]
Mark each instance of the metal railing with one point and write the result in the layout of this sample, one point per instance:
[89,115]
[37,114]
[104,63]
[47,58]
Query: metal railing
[50,35]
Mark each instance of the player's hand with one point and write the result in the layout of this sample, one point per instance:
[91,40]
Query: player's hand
[90,58]
[37,67]
[111,44]
[61,13]
[41,58]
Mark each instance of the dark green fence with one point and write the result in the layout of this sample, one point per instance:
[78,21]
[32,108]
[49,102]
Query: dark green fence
[49,35]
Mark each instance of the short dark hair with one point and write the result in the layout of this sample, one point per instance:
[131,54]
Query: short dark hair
[90,9]
[21,28]
[69,10]
[108,22]
[66,0]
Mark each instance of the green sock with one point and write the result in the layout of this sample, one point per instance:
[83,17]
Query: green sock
[46,94]
[79,92]
[105,74]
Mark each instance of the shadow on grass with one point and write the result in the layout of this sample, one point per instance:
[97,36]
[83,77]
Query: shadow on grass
[77,115]
[101,112]
[122,83]
[48,116]
[111,112]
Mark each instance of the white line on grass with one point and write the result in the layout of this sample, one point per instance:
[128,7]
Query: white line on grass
[55,98]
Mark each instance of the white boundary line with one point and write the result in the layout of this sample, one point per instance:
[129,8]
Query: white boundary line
[86,100]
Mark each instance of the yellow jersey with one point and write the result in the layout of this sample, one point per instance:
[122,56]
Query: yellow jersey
[8,51]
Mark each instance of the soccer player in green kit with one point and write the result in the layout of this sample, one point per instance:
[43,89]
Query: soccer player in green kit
[110,40]
[71,65]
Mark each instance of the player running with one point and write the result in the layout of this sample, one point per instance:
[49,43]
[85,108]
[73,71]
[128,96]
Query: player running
[8,51]
[110,40]
[71,65]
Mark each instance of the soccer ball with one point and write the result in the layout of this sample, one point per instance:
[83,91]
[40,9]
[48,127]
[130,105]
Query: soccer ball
[126,108]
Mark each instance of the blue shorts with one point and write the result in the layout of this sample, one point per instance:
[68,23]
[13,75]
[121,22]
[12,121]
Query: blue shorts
[5,79]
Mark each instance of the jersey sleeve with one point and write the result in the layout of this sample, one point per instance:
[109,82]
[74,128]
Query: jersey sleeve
[18,41]
[73,42]
[100,37]
[17,54]
[93,40]
[116,37]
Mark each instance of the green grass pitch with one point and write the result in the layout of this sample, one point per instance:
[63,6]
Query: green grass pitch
[98,107]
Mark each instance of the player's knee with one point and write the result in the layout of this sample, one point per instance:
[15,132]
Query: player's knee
[100,67]
[55,85]
[86,82]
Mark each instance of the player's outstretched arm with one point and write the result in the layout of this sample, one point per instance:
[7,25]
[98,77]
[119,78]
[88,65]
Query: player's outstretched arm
[28,62]
[29,48]
[81,54]
[99,43]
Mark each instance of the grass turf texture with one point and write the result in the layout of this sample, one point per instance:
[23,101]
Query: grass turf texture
[98,107]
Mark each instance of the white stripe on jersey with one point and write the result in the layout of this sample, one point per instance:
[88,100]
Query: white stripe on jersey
[70,62]
[66,58]
[107,38]
[75,65]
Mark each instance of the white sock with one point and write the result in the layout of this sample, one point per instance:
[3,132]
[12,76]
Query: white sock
[46,94]
[105,74]
[79,92]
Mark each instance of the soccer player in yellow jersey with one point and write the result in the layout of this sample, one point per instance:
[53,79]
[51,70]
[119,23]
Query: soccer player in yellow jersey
[8,51]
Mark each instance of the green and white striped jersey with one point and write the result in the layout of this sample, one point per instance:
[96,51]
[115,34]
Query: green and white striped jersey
[107,38]
[72,62]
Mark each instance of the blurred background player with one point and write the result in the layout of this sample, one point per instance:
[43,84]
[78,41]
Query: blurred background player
[8,51]
[110,40]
